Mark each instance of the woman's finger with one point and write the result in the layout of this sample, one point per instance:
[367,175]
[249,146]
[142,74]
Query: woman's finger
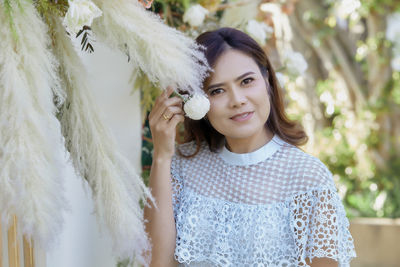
[157,102]
[177,118]
[169,91]
[171,111]
[160,109]
[167,116]
[162,98]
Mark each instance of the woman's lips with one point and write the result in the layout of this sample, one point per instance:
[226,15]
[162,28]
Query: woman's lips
[242,116]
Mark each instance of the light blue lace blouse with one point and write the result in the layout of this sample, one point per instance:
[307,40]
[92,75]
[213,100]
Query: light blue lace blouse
[275,206]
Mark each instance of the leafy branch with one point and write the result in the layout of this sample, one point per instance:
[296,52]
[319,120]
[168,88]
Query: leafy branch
[85,43]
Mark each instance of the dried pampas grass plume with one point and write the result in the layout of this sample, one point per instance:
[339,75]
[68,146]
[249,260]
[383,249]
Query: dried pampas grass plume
[32,155]
[166,55]
[117,189]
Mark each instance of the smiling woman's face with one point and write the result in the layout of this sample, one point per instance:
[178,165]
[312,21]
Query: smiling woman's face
[239,99]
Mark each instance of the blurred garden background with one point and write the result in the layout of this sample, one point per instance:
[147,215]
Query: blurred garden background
[338,63]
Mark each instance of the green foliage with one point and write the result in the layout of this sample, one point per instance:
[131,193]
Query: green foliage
[353,138]
[171,10]
[395,88]
[368,190]
[148,91]
[124,263]
[380,6]
[390,182]
[147,152]
[48,7]
[8,11]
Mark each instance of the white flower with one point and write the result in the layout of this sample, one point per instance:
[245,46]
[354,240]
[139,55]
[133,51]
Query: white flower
[393,27]
[281,79]
[195,15]
[395,63]
[258,30]
[346,8]
[197,106]
[79,14]
[295,63]
[380,201]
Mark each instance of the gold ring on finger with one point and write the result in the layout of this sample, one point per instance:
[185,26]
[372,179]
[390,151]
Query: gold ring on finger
[167,118]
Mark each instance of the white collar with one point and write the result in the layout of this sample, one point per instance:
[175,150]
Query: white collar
[254,157]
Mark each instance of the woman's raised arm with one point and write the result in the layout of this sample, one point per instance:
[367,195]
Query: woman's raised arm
[160,223]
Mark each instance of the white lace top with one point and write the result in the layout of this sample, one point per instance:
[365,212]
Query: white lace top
[275,206]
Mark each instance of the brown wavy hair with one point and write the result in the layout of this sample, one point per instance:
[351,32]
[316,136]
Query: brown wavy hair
[215,44]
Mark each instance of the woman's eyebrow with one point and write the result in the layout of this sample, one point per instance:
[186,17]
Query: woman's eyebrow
[237,79]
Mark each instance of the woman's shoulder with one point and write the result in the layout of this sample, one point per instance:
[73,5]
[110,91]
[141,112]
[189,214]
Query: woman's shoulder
[187,147]
[185,150]
[306,166]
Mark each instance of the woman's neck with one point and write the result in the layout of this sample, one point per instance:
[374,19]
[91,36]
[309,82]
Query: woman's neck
[249,144]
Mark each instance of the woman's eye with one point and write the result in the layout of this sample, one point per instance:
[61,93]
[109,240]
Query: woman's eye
[216,91]
[247,81]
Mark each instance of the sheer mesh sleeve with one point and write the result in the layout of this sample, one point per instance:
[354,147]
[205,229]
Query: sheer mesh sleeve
[320,227]
[176,182]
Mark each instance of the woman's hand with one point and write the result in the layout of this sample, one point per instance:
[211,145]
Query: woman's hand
[163,119]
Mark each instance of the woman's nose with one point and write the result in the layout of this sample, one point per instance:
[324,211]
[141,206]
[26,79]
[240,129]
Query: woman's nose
[237,97]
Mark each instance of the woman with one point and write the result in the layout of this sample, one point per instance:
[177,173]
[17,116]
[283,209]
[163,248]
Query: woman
[239,192]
